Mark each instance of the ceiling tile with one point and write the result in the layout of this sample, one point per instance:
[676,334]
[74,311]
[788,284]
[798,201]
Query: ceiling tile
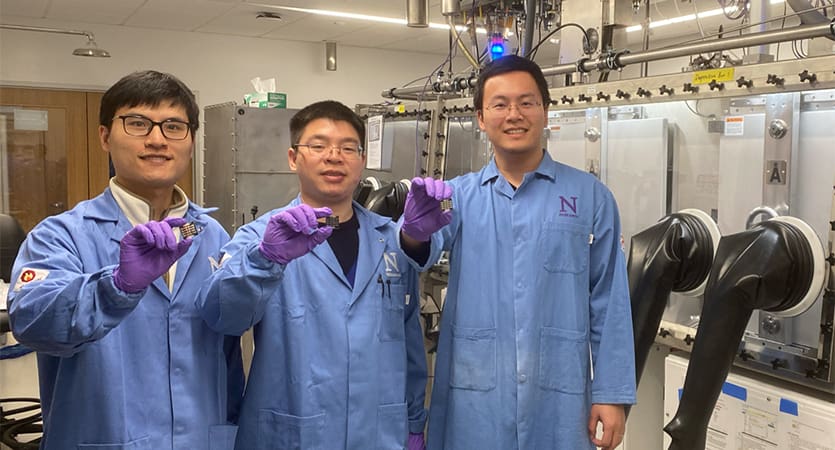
[23,8]
[93,11]
[317,28]
[241,21]
[183,15]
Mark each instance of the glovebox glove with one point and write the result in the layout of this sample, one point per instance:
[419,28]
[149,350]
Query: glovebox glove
[422,214]
[416,441]
[294,232]
[146,252]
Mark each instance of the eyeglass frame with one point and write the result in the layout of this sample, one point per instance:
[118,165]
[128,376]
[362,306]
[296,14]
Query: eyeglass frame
[360,149]
[511,105]
[154,124]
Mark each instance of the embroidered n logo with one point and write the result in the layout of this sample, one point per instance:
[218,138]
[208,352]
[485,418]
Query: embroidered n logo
[567,204]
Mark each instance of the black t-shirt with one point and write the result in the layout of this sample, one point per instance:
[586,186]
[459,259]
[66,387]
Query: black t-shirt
[345,243]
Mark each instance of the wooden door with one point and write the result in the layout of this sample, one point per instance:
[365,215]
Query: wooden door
[50,156]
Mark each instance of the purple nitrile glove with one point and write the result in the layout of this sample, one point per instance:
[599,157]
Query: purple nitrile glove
[146,252]
[294,232]
[416,441]
[422,214]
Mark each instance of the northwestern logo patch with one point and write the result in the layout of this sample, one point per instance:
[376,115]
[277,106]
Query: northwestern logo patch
[392,270]
[568,206]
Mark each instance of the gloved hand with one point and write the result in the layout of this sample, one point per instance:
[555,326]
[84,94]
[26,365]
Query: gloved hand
[422,214]
[416,441]
[146,252]
[294,232]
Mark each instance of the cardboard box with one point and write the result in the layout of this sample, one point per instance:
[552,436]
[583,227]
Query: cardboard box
[266,100]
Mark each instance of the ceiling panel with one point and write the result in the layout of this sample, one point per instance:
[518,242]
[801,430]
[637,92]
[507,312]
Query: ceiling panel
[93,11]
[183,15]
[241,21]
[317,28]
[22,8]
[382,35]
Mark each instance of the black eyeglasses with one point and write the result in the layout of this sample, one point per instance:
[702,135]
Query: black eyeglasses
[349,150]
[173,129]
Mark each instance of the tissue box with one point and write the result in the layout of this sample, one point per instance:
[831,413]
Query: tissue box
[266,100]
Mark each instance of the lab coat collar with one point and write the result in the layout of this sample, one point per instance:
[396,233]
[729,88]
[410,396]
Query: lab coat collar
[547,168]
[105,208]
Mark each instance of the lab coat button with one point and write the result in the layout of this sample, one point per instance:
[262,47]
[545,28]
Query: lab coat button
[523,378]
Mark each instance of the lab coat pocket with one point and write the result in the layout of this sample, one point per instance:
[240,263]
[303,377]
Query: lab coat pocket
[566,247]
[277,431]
[392,426]
[222,437]
[473,359]
[392,305]
[563,360]
[143,443]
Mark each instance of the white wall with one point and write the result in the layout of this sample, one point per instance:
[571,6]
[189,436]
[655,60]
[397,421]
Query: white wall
[219,67]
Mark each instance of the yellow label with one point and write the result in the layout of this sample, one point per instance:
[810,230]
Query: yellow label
[706,76]
[401,108]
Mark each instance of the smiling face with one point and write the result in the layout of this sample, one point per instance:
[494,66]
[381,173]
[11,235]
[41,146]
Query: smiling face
[516,131]
[148,165]
[330,177]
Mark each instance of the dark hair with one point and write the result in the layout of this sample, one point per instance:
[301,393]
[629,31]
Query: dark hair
[510,63]
[327,109]
[150,88]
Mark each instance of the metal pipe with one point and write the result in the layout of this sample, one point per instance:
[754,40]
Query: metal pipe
[619,60]
[48,30]
[750,40]
[417,13]
[530,22]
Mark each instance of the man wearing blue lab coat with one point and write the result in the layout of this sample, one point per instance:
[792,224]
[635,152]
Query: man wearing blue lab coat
[537,299]
[105,293]
[339,359]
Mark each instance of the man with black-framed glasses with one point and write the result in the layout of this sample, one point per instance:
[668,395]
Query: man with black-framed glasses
[339,360]
[105,293]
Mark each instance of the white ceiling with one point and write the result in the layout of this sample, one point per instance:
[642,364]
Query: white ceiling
[237,17]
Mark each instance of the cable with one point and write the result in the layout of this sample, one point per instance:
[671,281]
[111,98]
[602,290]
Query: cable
[559,28]
[696,111]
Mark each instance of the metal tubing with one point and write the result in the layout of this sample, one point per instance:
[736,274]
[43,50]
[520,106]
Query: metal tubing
[750,40]
[625,59]
[47,30]
[530,22]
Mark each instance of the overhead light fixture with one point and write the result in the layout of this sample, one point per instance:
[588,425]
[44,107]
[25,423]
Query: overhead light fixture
[680,19]
[366,17]
[91,49]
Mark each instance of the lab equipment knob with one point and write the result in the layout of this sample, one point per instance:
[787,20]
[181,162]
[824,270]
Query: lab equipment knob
[665,90]
[778,128]
[715,85]
[806,76]
[623,95]
[688,87]
[772,325]
[584,98]
[741,81]
[602,96]
[566,99]
[643,92]
[592,134]
[775,80]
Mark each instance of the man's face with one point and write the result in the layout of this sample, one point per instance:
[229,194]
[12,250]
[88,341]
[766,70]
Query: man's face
[144,164]
[329,177]
[517,129]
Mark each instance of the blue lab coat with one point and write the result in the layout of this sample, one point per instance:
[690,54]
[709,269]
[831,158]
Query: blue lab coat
[335,367]
[117,370]
[530,301]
